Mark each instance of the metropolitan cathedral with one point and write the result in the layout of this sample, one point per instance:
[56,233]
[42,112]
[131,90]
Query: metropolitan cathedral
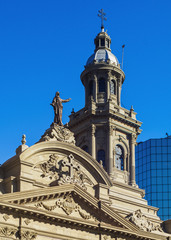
[78,181]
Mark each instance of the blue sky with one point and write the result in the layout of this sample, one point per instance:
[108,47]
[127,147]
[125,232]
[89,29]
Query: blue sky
[44,45]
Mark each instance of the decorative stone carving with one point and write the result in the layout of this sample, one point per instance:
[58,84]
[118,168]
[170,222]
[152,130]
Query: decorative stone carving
[27,235]
[5,217]
[53,169]
[68,205]
[45,206]
[58,133]
[121,138]
[7,231]
[133,138]
[50,168]
[143,222]
[106,237]
[27,221]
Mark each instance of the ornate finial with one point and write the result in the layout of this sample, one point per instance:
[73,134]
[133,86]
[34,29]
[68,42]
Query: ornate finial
[23,141]
[23,146]
[132,109]
[101,14]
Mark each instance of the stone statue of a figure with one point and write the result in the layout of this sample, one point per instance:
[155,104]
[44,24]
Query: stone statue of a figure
[57,106]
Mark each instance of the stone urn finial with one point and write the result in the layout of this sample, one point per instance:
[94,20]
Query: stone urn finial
[23,146]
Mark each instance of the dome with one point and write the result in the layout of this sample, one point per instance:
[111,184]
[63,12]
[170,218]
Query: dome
[102,55]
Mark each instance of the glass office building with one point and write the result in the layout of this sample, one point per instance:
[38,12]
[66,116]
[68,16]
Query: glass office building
[153,173]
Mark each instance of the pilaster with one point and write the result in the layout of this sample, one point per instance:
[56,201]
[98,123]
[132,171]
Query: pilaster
[93,141]
[109,129]
[132,167]
[94,77]
[108,84]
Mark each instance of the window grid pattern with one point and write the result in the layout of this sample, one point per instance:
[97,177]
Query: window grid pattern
[153,173]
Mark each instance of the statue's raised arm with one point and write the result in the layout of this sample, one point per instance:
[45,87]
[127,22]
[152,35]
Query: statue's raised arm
[57,106]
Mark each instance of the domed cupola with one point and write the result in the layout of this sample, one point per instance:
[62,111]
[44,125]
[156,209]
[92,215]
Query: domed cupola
[102,77]
[102,52]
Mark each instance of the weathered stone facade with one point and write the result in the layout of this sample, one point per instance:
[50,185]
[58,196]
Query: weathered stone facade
[55,190]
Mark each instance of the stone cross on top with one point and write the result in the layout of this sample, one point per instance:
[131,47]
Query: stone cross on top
[101,14]
[71,165]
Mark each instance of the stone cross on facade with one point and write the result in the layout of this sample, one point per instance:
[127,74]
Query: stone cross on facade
[101,14]
[71,165]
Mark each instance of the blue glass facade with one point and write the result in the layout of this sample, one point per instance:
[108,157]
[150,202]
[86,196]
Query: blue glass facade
[153,173]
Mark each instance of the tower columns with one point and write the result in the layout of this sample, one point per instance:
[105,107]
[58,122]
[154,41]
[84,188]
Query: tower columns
[132,167]
[118,91]
[93,141]
[110,149]
[108,84]
[95,87]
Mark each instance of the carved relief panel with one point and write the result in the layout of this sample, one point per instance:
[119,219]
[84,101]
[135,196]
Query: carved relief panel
[60,170]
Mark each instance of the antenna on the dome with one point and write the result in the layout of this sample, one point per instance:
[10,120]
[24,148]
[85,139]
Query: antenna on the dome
[123,46]
[101,14]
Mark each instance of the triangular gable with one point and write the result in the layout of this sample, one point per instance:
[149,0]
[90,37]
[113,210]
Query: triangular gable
[69,198]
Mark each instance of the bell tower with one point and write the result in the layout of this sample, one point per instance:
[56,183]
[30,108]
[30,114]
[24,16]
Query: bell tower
[103,128]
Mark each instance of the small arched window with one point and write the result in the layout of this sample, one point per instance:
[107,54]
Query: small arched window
[102,85]
[85,148]
[97,43]
[102,42]
[112,87]
[91,88]
[101,156]
[119,159]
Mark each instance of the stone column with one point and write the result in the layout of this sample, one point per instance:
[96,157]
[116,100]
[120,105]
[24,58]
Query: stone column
[108,85]
[93,141]
[132,167]
[119,85]
[95,87]
[110,150]
[125,156]
[108,89]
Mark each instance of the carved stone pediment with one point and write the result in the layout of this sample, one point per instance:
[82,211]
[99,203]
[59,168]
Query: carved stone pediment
[58,133]
[65,205]
[63,170]
[143,222]
[69,204]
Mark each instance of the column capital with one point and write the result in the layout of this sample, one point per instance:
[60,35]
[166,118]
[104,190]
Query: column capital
[108,74]
[93,129]
[119,82]
[94,77]
[109,128]
[114,77]
[133,137]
